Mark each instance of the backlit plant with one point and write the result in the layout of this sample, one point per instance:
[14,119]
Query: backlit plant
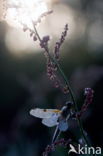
[56,75]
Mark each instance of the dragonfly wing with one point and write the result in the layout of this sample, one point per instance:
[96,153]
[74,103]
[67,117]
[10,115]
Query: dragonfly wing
[63,125]
[52,121]
[44,113]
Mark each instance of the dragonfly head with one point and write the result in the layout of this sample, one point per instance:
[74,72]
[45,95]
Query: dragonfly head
[66,109]
[69,104]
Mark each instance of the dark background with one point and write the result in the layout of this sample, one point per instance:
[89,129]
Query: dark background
[24,85]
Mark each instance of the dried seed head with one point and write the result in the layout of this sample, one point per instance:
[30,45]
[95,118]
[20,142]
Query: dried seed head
[57,84]
[25,29]
[44,41]
[88,92]
[34,38]
[31,34]
[66,90]
[60,42]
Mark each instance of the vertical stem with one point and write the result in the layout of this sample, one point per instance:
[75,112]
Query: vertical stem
[67,83]
[74,101]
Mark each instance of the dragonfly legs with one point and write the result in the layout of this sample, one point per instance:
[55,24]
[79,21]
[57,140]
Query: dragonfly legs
[56,134]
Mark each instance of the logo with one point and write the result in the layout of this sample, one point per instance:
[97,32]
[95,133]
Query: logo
[72,149]
[84,150]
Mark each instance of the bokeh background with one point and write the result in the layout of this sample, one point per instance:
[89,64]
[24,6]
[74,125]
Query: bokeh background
[24,84]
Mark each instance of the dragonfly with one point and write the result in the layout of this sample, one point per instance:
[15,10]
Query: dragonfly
[54,117]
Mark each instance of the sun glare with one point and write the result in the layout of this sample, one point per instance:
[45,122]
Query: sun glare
[24,11]
[20,12]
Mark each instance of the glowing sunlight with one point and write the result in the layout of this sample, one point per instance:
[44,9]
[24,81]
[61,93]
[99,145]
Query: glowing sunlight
[24,11]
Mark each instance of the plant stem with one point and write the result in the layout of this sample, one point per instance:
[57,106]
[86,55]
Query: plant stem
[67,83]
[73,98]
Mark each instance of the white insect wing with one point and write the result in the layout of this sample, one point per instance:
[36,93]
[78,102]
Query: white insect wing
[40,113]
[63,125]
[52,121]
